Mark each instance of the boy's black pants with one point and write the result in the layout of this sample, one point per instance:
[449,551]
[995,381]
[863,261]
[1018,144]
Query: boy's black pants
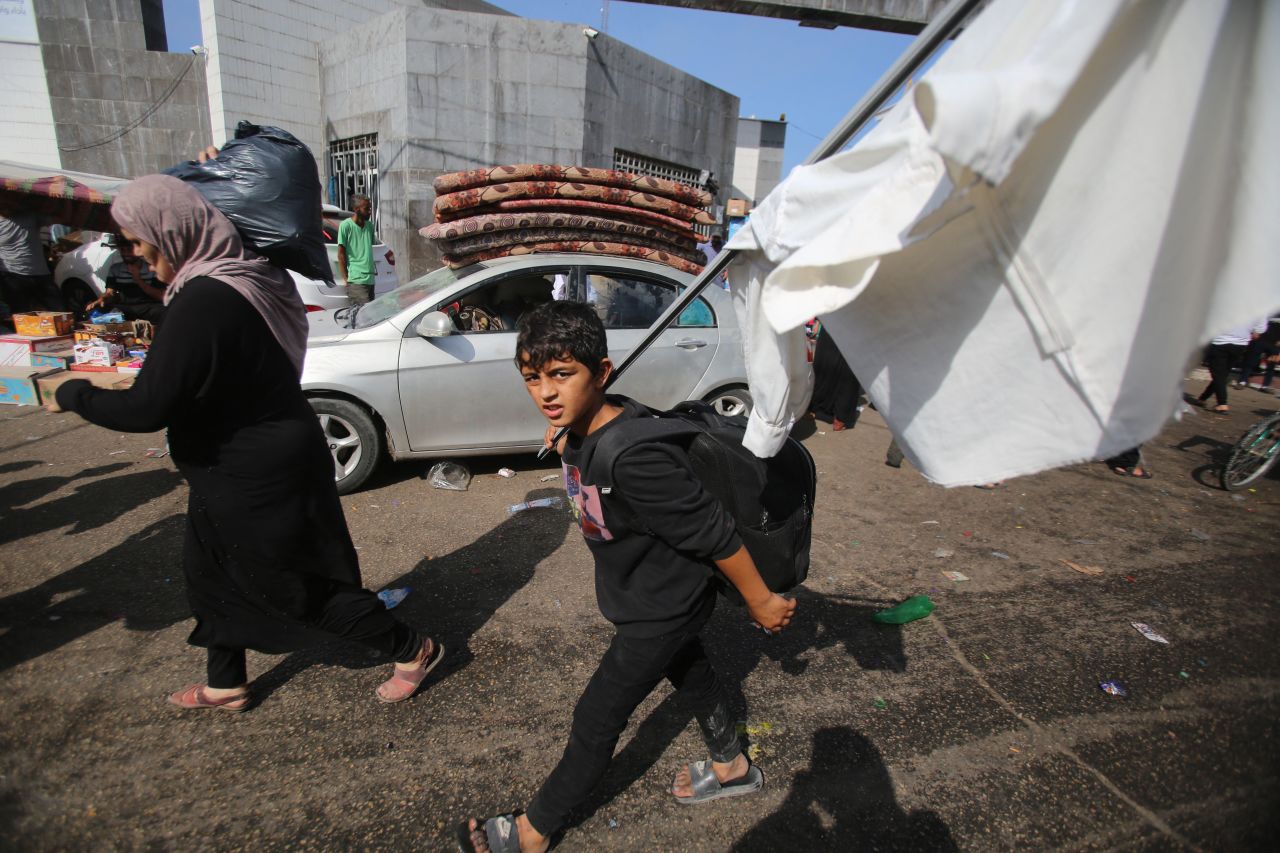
[628,672]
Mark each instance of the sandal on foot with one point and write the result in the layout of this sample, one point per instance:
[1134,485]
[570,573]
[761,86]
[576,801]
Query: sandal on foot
[1221,410]
[706,787]
[404,683]
[500,831]
[1131,471]
[193,697]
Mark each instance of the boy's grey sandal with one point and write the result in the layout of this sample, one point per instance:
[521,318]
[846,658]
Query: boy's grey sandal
[501,832]
[707,787]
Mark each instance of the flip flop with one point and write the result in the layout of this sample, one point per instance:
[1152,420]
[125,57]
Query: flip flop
[193,698]
[707,787]
[1128,472]
[500,831]
[404,683]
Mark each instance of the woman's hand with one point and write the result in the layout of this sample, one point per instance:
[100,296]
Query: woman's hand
[773,613]
[210,152]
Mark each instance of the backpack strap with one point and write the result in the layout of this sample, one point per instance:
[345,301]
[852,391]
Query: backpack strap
[620,438]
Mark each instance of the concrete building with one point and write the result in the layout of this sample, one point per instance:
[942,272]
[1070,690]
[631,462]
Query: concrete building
[391,93]
[89,86]
[388,94]
[757,160]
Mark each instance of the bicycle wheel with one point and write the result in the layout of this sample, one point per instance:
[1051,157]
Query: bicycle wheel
[1253,455]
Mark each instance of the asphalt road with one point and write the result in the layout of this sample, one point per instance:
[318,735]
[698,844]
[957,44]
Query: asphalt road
[982,727]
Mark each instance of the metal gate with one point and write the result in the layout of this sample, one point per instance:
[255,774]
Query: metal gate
[353,169]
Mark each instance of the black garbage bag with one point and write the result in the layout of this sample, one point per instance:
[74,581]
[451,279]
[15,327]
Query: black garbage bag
[265,181]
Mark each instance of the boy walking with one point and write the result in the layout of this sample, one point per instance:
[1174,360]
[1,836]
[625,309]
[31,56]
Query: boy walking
[654,537]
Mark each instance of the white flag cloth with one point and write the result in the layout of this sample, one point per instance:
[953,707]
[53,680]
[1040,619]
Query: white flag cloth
[1018,261]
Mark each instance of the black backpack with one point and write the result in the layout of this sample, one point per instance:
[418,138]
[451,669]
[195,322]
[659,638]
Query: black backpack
[770,500]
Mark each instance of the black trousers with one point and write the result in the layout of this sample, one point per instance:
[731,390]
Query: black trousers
[378,631]
[1222,358]
[628,672]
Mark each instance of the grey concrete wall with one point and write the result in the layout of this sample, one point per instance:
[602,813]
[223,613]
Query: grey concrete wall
[640,104]
[758,158]
[103,81]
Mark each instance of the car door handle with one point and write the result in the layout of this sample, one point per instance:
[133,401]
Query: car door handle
[690,343]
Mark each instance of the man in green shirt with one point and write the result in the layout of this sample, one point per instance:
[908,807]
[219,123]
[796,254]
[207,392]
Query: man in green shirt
[355,251]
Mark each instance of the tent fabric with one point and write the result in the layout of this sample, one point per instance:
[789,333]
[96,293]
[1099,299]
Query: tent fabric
[1020,259]
[79,199]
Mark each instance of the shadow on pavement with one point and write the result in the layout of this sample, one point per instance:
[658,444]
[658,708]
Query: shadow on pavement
[736,648]
[453,596]
[90,506]
[845,799]
[139,580]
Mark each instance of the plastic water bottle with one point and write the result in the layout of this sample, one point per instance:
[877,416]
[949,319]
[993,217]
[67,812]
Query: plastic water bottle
[915,607]
[539,503]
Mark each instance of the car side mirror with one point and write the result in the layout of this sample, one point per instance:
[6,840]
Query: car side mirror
[435,324]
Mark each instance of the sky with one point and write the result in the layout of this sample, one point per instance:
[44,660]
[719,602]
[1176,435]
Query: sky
[813,76]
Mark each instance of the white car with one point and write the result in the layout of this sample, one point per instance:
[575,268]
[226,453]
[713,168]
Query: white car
[400,377]
[81,275]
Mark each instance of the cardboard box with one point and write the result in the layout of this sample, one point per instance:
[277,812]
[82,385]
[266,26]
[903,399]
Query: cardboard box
[48,383]
[98,353]
[60,360]
[16,350]
[19,385]
[43,324]
[736,207]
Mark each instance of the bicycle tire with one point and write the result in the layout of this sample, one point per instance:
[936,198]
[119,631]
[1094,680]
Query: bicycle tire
[1253,455]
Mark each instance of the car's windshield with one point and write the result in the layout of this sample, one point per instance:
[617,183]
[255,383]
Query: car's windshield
[390,304]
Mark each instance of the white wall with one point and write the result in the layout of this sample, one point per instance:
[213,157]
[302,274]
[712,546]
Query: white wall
[26,133]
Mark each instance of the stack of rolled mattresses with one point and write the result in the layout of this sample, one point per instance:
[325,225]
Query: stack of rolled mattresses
[516,210]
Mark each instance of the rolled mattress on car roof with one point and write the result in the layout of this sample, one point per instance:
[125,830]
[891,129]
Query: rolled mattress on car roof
[513,210]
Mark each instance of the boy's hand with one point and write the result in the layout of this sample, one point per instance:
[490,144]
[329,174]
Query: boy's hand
[773,613]
[550,436]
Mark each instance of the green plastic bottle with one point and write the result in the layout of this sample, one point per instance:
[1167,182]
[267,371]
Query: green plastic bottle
[915,607]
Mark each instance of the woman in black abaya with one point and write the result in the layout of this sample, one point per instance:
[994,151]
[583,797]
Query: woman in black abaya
[268,560]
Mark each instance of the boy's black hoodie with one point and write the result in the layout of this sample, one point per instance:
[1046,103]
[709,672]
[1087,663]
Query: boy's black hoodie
[653,536]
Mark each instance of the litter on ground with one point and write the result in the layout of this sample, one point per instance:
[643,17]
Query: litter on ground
[1145,630]
[1084,570]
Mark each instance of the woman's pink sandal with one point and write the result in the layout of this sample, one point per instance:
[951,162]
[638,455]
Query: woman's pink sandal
[193,697]
[405,682]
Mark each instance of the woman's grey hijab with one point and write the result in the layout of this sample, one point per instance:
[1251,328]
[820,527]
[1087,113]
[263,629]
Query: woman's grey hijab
[198,240]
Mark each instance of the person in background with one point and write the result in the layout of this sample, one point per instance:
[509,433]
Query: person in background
[1224,352]
[355,251]
[25,280]
[1259,353]
[836,391]
[711,248]
[268,560]
[131,287]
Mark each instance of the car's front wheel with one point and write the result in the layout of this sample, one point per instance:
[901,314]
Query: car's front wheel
[731,402]
[354,440]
